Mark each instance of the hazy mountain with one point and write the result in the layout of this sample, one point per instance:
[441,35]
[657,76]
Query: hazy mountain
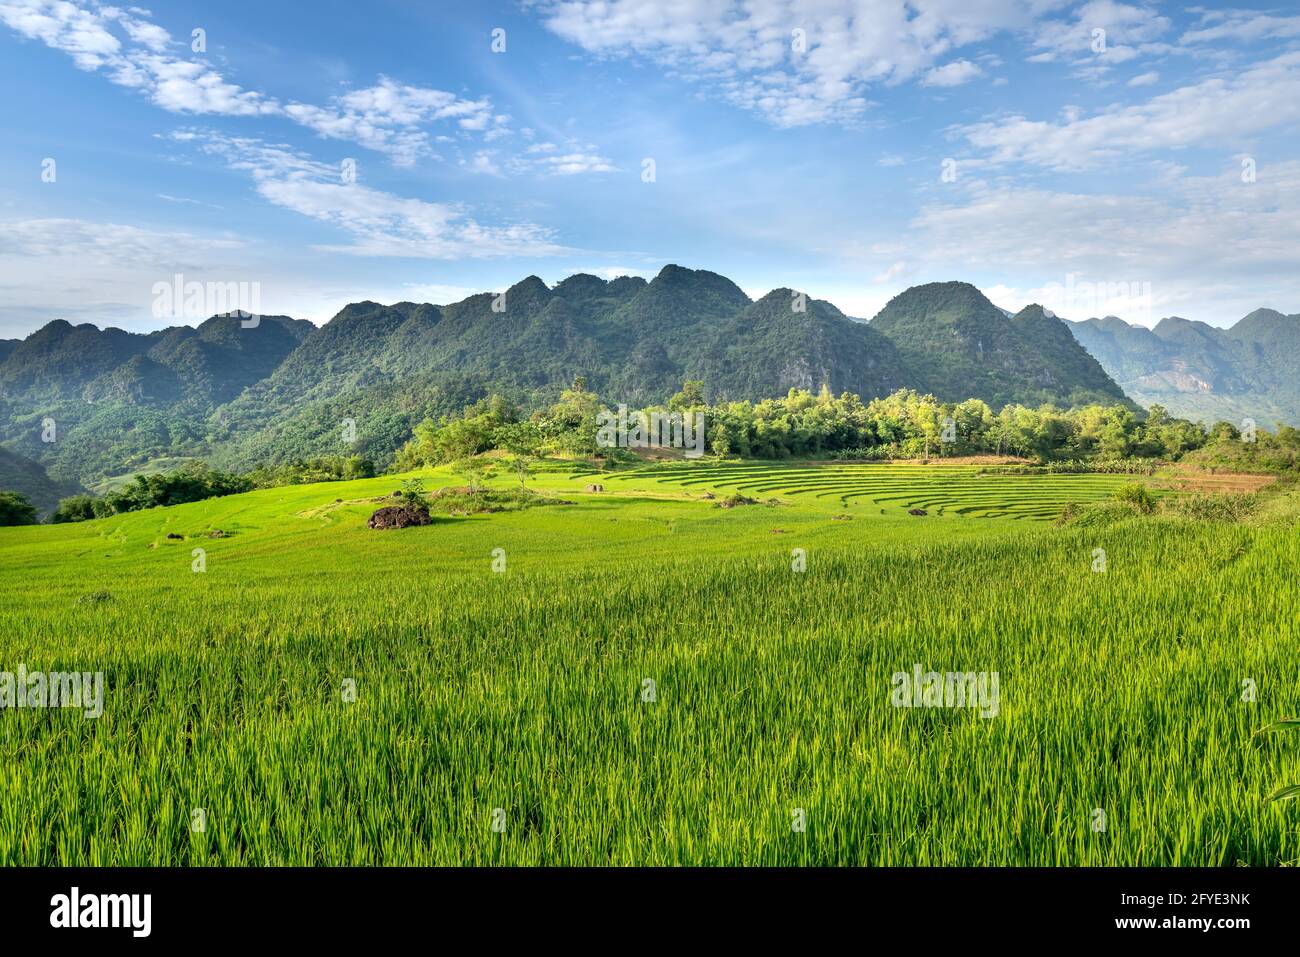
[1250,370]
[283,389]
[21,474]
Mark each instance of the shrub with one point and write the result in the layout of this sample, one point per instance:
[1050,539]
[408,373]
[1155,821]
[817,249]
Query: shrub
[1230,507]
[412,493]
[1138,496]
[1096,514]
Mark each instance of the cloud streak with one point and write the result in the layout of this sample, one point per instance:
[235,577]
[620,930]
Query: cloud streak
[379,223]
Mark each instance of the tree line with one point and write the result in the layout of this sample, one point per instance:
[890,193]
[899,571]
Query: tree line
[801,424]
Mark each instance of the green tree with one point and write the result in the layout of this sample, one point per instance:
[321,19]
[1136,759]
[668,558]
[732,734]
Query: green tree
[691,396]
[358,467]
[78,508]
[523,441]
[15,509]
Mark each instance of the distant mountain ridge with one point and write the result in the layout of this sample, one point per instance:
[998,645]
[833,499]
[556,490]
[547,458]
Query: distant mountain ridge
[242,396]
[1248,370]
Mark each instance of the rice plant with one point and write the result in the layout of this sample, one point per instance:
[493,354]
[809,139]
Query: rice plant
[641,677]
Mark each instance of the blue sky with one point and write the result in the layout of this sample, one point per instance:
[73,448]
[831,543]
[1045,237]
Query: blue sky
[1099,157]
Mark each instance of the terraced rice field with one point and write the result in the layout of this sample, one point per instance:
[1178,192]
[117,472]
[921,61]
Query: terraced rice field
[640,677]
[943,489]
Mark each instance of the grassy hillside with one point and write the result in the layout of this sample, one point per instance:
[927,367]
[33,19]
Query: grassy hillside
[523,690]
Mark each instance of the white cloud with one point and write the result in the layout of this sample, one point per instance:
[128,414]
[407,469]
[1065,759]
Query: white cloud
[482,162]
[441,294]
[181,86]
[88,271]
[108,243]
[379,223]
[1145,79]
[890,274]
[571,164]
[952,74]
[186,201]
[104,273]
[541,158]
[1157,242]
[1242,25]
[1100,34]
[746,51]
[133,52]
[1219,110]
[386,117]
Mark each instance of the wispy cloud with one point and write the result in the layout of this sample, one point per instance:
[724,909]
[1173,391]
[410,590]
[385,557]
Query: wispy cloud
[1220,110]
[1241,25]
[101,272]
[387,117]
[380,223]
[1162,236]
[541,158]
[793,63]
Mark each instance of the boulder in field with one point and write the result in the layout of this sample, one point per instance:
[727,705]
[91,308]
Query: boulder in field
[400,516]
[595,488]
[917,511]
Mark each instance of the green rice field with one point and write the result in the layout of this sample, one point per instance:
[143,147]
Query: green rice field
[641,677]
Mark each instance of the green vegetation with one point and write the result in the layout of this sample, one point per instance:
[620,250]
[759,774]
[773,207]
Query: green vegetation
[190,483]
[1138,496]
[904,424]
[243,398]
[500,661]
[195,481]
[16,509]
[1265,453]
[955,343]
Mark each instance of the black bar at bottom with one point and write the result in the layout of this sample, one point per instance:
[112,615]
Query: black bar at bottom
[335,907]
